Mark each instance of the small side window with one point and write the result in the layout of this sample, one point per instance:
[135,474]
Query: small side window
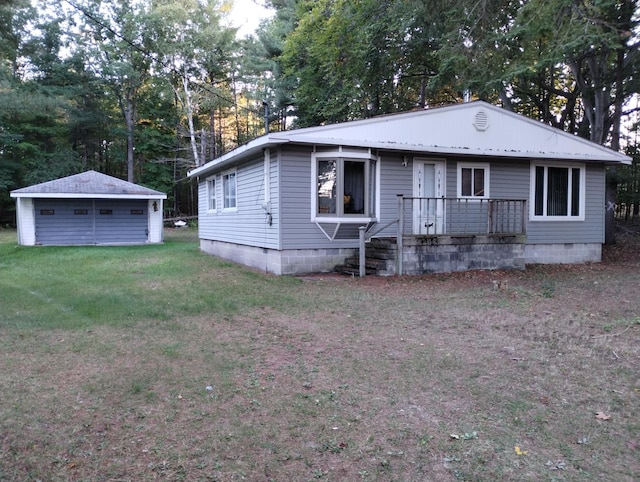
[212,200]
[473,180]
[229,188]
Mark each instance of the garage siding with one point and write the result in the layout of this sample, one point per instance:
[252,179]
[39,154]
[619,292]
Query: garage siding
[89,221]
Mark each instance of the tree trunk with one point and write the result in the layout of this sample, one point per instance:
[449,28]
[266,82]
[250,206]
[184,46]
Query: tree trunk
[189,107]
[212,134]
[611,192]
[129,118]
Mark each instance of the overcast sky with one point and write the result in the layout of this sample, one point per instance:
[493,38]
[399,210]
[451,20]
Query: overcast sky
[247,14]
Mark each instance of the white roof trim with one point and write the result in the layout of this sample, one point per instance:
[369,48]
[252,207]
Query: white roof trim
[58,195]
[444,149]
[444,130]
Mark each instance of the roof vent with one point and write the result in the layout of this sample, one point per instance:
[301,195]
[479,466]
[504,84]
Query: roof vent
[481,121]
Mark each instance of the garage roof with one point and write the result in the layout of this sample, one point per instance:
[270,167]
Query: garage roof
[89,184]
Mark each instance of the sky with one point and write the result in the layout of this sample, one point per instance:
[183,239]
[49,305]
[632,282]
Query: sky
[247,15]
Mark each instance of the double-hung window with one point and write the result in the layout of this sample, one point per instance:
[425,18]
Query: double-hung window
[344,187]
[212,204]
[557,192]
[229,190]
[473,181]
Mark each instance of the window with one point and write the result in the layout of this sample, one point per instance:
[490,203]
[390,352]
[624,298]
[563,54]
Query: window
[211,194]
[473,180]
[558,192]
[229,190]
[344,187]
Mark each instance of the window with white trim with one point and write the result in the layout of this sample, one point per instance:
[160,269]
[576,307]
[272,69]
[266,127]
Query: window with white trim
[229,189]
[557,192]
[473,180]
[344,187]
[212,204]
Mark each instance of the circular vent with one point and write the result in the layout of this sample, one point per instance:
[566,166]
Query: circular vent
[481,120]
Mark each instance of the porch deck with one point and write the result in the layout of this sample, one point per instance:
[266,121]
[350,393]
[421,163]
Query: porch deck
[438,235]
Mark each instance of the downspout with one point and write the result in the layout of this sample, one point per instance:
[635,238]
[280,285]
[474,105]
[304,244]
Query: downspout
[267,186]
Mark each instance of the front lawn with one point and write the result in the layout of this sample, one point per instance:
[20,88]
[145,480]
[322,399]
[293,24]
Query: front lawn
[163,363]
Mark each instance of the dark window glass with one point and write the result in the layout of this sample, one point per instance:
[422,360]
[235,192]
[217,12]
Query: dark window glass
[466,182]
[353,196]
[575,192]
[478,182]
[539,191]
[557,191]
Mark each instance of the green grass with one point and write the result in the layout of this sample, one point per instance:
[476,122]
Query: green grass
[163,363]
[76,287]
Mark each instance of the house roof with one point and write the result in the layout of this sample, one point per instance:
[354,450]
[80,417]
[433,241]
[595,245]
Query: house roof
[469,129]
[89,184]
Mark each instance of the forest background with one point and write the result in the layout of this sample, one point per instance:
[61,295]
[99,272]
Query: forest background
[145,90]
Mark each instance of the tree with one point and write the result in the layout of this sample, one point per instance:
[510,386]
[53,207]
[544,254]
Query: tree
[118,43]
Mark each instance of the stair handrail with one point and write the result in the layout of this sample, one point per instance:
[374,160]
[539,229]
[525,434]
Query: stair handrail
[369,236]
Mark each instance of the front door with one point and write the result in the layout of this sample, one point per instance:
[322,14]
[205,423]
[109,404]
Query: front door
[428,193]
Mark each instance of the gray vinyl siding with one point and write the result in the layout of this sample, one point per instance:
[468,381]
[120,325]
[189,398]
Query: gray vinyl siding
[298,232]
[87,221]
[591,230]
[291,191]
[394,179]
[507,180]
[248,223]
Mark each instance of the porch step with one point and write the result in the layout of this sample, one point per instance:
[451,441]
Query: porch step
[380,259]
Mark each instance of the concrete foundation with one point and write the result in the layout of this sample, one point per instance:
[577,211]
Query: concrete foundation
[566,253]
[447,254]
[293,261]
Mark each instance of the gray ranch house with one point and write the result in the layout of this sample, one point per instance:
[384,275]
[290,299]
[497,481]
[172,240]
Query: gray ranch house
[89,208]
[466,186]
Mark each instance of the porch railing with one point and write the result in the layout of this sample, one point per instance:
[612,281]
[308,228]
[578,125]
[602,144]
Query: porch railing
[450,216]
[460,216]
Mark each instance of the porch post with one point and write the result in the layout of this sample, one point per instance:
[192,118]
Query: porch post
[399,236]
[362,260]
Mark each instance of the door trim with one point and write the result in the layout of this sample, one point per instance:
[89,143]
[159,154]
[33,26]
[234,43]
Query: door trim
[439,190]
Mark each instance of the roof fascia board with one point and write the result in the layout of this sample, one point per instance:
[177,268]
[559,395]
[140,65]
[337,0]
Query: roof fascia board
[62,195]
[612,156]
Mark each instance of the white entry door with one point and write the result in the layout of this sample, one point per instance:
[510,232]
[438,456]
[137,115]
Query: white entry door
[428,189]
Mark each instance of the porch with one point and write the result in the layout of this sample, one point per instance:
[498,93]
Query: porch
[438,235]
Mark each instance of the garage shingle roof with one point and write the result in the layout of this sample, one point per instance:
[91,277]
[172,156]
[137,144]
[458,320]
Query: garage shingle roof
[89,183]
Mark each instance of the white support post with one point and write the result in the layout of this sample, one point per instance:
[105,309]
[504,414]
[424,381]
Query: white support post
[363,270]
[399,236]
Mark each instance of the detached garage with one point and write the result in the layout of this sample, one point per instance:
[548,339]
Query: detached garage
[88,208]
